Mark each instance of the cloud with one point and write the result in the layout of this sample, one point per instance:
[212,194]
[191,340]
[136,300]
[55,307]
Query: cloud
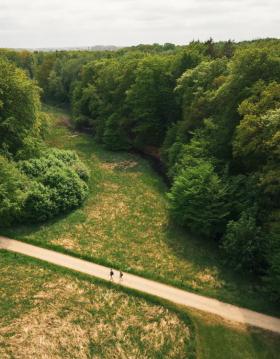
[41,23]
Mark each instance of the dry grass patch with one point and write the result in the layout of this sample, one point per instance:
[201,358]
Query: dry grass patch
[122,165]
[66,241]
[125,165]
[210,277]
[108,207]
[108,166]
[73,318]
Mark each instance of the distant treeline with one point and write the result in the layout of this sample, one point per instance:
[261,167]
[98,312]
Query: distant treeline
[210,111]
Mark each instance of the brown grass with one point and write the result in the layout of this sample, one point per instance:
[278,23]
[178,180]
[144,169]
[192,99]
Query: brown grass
[72,318]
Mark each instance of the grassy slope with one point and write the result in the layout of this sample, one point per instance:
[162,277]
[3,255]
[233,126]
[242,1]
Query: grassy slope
[46,312]
[220,340]
[124,223]
[49,311]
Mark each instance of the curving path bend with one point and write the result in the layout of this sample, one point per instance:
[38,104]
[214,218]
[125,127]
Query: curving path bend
[178,296]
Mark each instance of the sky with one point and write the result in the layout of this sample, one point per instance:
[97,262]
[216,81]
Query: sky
[66,23]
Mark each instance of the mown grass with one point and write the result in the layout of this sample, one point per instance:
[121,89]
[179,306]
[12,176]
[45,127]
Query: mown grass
[49,312]
[124,223]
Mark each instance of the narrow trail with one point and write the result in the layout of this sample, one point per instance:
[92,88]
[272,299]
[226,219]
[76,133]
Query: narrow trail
[178,296]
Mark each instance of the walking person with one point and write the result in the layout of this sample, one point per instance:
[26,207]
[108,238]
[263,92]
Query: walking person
[111,274]
[121,276]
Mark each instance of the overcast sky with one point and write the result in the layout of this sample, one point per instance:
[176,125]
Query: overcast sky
[57,23]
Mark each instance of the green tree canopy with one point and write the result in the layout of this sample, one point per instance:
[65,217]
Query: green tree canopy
[19,108]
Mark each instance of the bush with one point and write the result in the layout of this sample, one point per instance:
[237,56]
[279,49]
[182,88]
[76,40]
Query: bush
[66,156]
[242,243]
[38,206]
[41,188]
[72,159]
[37,167]
[58,184]
[68,190]
[54,158]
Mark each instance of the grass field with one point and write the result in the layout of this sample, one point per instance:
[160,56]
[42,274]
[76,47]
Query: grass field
[50,312]
[124,223]
[221,340]
[45,313]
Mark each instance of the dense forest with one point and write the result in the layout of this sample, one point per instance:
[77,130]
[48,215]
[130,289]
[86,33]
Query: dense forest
[210,112]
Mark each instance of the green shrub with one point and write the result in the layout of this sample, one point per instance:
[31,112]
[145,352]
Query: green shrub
[41,188]
[58,184]
[66,156]
[242,243]
[68,190]
[38,167]
[38,206]
[72,159]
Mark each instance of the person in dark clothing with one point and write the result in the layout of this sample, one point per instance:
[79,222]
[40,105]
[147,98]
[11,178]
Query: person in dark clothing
[121,276]
[111,274]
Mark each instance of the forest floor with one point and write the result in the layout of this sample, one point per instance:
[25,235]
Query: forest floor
[124,223]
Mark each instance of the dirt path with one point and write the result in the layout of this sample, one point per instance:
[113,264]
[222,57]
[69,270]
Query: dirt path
[178,296]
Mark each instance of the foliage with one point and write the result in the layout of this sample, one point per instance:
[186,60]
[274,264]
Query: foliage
[196,89]
[12,191]
[199,200]
[242,243]
[210,109]
[257,139]
[151,101]
[19,109]
[44,182]
[41,188]
[57,184]
[272,237]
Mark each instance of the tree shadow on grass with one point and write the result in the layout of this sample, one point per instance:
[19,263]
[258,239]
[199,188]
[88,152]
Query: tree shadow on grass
[21,231]
[204,257]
